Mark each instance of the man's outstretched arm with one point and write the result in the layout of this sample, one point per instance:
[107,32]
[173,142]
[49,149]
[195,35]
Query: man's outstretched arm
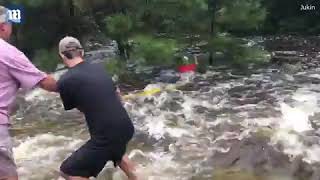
[28,76]
[49,84]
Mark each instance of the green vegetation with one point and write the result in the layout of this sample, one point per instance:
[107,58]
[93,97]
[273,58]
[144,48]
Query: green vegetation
[154,51]
[47,60]
[119,27]
[116,67]
[153,32]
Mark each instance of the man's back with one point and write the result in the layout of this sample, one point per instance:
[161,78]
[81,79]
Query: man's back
[88,87]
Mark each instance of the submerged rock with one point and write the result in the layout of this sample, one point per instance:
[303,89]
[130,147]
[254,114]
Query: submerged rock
[253,154]
[235,175]
[168,76]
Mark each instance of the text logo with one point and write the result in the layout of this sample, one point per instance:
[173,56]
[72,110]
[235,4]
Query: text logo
[14,15]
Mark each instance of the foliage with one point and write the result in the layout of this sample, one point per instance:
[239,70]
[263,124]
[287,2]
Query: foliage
[155,51]
[235,49]
[118,26]
[285,16]
[240,15]
[164,23]
[46,60]
[115,66]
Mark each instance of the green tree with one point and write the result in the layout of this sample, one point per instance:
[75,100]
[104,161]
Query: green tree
[119,28]
[47,60]
[155,51]
[240,15]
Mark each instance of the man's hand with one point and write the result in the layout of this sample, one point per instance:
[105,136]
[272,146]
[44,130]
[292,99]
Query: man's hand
[49,84]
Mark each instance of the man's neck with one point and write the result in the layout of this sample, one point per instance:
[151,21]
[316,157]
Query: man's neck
[72,63]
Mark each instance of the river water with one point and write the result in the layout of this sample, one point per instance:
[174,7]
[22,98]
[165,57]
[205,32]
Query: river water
[213,121]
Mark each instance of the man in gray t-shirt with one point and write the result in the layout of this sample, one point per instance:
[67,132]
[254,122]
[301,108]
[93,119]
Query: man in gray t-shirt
[16,71]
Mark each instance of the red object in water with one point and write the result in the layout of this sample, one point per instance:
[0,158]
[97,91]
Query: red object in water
[187,68]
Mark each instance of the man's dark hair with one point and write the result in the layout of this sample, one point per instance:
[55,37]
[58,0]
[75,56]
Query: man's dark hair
[72,54]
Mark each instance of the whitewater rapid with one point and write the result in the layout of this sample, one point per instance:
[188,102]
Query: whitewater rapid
[179,129]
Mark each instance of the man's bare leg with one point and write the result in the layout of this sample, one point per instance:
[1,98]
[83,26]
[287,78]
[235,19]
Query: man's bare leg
[128,168]
[9,178]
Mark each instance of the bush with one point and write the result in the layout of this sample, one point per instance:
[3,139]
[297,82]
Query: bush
[154,51]
[115,67]
[118,26]
[241,15]
[235,50]
[46,60]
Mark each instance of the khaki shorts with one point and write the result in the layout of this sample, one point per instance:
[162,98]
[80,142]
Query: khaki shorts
[7,165]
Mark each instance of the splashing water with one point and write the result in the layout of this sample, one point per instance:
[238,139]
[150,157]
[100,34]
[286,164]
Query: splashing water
[179,130]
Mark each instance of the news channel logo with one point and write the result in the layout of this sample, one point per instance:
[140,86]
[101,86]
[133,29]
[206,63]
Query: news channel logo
[15,14]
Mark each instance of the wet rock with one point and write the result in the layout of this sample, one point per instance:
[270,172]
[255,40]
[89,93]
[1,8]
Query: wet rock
[253,154]
[285,53]
[240,90]
[143,140]
[225,127]
[189,87]
[301,169]
[205,89]
[229,174]
[224,110]
[168,76]
[291,68]
[305,80]
[316,174]
[200,109]
[264,113]
[173,106]
[237,95]
[311,140]
[101,55]
[245,101]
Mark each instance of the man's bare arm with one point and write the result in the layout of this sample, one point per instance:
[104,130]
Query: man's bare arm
[49,84]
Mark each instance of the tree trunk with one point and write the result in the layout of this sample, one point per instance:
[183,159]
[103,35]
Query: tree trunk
[212,35]
[122,49]
[71,8]
[128,50]
[212,5]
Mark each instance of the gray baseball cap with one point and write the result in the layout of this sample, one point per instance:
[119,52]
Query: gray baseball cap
[69,44]
[3,14]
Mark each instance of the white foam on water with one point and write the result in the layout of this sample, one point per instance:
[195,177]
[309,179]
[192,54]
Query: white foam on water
[154,119]
[41,94]
[156,127]
[38,93]
[163,167]
[153,166]
[177,132]
[38,157]
[294,121]
[315,76]
[187,77]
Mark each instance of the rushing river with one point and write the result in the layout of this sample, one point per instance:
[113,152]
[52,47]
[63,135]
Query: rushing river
[264,123]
